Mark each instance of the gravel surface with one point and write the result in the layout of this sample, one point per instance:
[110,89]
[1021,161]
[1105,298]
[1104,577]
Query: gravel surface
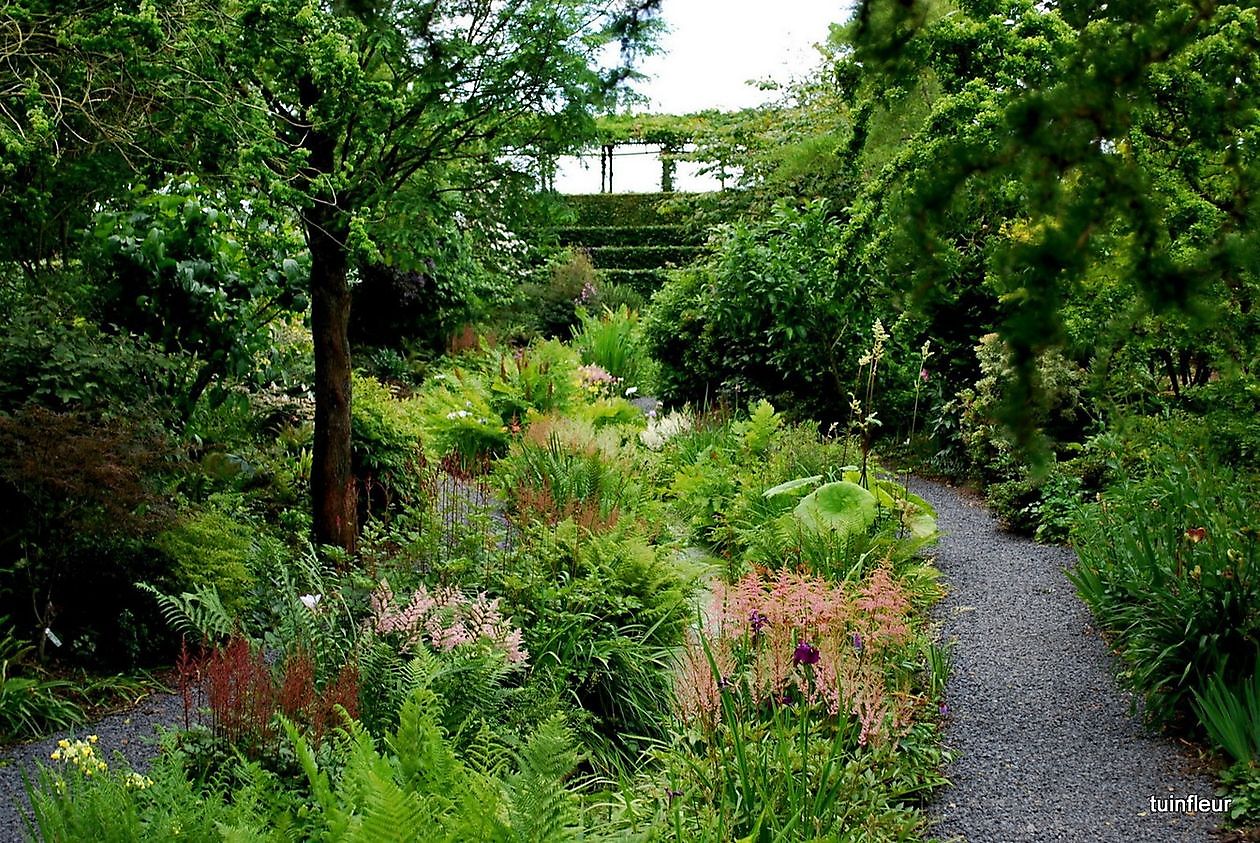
[1046,747]
[133,733]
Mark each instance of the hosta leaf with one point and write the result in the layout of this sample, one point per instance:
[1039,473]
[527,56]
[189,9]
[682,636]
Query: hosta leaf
[791,485]
[842,507]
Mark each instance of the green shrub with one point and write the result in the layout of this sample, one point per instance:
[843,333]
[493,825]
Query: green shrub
[764,315]
[211,547]
[53,356]
[1058,414]
[386,434]
[550,306]
[1165,566]
[602,614]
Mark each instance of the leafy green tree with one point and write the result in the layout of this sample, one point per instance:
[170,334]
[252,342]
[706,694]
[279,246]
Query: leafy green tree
[1110,143]
[199,274]
[368,105]
[357,113]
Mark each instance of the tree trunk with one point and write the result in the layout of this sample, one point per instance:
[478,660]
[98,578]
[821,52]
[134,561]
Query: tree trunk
[332,477]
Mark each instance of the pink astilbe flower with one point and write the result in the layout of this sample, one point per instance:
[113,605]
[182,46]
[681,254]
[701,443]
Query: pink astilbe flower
[883,608]
[446,619]
[791,635]
[698,690]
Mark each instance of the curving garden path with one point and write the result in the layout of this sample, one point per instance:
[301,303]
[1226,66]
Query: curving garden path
[1046,747]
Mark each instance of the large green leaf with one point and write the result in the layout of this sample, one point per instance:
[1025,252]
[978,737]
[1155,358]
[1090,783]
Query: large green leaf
[842,507]
[917,514]
[791,485]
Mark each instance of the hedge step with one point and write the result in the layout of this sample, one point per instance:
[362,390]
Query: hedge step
[645,282]
[630,235]
[642,257]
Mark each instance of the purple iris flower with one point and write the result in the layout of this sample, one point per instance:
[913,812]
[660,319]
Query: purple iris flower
[806,653]
[758,622]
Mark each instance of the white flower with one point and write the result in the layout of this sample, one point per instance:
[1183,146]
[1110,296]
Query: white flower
[631,390]
[463,414]
[467,403]
[452,415]
[310,601]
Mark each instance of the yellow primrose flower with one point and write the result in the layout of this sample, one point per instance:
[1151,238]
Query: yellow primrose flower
[56,756]
[93,738]
[63,743]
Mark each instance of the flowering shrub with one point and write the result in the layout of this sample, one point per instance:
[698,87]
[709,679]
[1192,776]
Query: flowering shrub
[792,636]
[445,619]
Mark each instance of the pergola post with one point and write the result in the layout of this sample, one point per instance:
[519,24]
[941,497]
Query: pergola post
[668,167]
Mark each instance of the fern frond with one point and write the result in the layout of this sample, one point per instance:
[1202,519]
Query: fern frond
[197,614]
[390,814]
[540,807]
[425,760]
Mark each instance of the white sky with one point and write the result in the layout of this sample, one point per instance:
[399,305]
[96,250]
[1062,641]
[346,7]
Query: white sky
[712,50]
[715,46]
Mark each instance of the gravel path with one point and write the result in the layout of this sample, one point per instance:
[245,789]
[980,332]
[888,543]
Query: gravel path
[1046,747]
[132,733]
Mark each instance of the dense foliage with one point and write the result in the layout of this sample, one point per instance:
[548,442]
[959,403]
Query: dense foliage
[592,539]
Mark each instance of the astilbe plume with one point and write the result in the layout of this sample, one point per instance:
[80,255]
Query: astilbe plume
[539,505]
[243,694]
[240,692]
[790,634]
[445,619]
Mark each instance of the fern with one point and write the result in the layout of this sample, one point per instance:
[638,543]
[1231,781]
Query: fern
[327,635]
[540,808]
[421,790]
[755,433]
[198,614]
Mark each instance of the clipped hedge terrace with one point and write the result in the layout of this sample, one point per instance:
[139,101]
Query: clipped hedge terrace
[592,236]
[642,257]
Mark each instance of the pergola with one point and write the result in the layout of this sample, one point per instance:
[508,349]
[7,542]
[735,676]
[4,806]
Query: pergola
[677,136]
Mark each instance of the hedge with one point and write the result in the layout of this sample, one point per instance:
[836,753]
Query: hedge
[635,235]
[616,209]
[642,257]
